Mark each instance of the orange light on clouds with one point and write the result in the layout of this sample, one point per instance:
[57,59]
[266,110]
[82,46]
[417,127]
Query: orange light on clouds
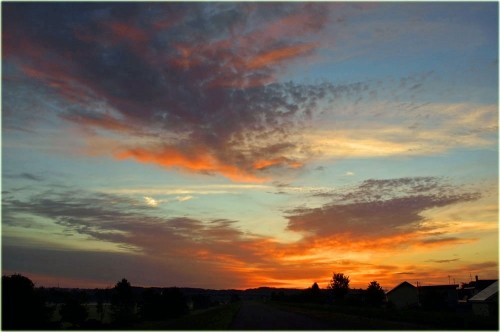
[274,56]
[263,164]
[196,161]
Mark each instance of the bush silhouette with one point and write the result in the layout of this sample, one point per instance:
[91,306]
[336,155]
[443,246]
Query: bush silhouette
[23,308]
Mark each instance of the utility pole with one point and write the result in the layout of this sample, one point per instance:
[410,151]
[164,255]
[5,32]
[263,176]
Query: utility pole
[418,294]
[449,280]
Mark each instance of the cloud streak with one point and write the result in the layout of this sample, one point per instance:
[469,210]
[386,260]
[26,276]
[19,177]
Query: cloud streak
[377,214]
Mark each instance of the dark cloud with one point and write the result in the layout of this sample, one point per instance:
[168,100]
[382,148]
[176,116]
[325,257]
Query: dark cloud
[443,260]
[379,208]
[203,71]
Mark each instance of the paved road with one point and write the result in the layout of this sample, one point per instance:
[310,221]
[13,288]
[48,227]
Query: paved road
[259,316]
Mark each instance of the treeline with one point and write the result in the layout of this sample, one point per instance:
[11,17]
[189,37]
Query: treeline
[337,291]
[25,307]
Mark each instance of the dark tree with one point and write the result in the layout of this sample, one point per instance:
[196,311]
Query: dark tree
[74,312]
[339,285]
[375,295]
[122,303]
[23,308]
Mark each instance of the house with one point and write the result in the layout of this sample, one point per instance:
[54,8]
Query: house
[403,295]
[468,290]
[485,303]
[438,296]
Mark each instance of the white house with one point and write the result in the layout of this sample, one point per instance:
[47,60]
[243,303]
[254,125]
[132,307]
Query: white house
[485,302]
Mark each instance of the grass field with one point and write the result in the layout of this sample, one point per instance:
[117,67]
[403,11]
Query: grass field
[346,321]
[369,318]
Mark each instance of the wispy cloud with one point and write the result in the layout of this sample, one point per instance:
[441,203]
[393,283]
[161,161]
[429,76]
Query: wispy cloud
[184,198]
[25,176]
[336,236]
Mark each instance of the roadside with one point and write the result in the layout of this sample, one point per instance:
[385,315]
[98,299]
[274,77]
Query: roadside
[344,321]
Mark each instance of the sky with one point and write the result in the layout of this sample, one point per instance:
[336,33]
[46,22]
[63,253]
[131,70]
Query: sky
[238,144]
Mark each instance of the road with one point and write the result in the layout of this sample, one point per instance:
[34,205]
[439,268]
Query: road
[259,316]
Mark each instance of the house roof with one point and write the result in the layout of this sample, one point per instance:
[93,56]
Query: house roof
[439,286]
[483,283]
[486,293]
[403,284]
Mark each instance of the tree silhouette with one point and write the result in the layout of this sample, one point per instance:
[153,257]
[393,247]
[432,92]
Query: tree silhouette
[339,285]
[375,295]
[22,306]
[122,303]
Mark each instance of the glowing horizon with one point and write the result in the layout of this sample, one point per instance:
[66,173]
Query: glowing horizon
[240,145]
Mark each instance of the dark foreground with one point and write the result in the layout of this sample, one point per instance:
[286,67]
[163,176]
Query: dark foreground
[259,316]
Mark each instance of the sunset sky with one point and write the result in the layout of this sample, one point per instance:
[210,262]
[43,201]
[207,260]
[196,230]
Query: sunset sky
[237,145]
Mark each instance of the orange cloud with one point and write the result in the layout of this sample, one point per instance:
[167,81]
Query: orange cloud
[279,54]
[197,160]
[265,163]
